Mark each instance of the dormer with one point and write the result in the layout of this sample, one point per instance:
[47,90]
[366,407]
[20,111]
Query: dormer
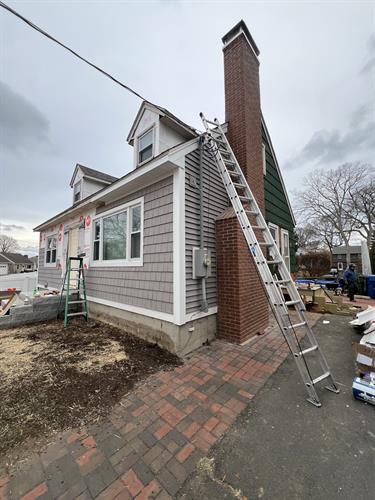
[154,131]
[87,181]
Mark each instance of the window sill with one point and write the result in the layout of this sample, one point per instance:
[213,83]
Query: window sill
[145,161]
[50,264]
[116,263]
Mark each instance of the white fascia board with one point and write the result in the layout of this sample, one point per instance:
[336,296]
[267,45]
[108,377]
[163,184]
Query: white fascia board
[278,169]
[134,309]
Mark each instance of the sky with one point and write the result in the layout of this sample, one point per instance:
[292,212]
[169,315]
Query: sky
[317,69]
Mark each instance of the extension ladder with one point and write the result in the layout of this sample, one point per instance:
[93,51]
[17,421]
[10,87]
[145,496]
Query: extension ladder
[74,275]
[247,210]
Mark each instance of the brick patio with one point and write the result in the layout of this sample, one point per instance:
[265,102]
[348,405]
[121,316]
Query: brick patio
[157,434]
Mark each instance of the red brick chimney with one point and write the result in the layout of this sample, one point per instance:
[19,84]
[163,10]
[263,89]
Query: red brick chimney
[242,304]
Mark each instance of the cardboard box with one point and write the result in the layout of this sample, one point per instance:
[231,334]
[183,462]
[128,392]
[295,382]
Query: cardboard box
[365,358]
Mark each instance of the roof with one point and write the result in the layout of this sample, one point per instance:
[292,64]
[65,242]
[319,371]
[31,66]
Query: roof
[278,168]
[139,171]
[236,30]
[94,174]
[16,258]
[186,130]
[3,260]
[343,249]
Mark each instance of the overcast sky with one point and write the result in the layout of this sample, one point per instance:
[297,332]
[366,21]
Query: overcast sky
[317,87]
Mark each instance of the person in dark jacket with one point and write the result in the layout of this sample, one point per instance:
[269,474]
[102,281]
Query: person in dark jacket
[350,277]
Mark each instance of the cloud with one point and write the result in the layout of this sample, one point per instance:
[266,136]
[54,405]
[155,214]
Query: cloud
[11,227]
[370,63]
[327,146]
[22,125]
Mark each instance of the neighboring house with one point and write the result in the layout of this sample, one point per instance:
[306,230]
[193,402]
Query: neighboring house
[4,265]
[15,262]
[339,257]
[139,235]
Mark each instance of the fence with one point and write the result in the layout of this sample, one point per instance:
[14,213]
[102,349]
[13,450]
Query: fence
[26,282]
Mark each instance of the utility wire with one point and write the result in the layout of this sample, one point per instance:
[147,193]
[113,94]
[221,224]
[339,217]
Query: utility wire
[41,31]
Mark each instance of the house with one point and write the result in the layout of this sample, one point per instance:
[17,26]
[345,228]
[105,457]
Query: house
[140,235]
[339,257]
[12,263]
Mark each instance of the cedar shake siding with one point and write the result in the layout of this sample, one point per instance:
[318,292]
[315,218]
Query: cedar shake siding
[277,208]
[49,277]
[215,201]
[149,286]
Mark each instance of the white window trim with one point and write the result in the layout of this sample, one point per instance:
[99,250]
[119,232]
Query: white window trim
[117,262]
[139,136]
[50,264]
[80,191]
[264,158]
[283,232]
[277,230]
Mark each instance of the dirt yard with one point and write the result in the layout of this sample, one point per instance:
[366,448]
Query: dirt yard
[53,378]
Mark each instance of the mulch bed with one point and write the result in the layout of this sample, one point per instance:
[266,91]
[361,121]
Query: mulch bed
[53,378]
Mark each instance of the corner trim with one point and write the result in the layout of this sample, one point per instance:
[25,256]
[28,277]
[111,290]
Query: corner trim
[179,277]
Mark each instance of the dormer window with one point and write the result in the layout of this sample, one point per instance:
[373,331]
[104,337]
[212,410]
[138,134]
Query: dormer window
[145,146]
[77,192]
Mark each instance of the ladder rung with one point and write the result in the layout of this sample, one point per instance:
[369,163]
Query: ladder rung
[245,198]
[281,282]
[252,212]
[274,261]
[292,302]
[265,244]
[297,325]
[321,377]
[76,301]
[239,186]
[230,162]
[76,269]
[77,314]
[305,351]
[262,228]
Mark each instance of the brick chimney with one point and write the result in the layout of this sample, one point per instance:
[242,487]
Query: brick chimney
[242,304]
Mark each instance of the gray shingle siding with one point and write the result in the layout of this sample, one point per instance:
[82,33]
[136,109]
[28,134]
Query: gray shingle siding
[151,285]
[215,201]
[48,276]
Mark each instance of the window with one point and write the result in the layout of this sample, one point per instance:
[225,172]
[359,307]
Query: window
[264,159]
[340,266]
[77,192]
[145,146]
[274,230]
[51,250]
[117,237]
[285,251]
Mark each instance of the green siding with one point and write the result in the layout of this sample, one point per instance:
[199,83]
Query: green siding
[277,208]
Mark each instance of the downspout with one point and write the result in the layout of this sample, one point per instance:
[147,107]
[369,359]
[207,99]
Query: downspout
[204,304]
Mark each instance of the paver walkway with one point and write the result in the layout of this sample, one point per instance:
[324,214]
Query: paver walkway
[157,434]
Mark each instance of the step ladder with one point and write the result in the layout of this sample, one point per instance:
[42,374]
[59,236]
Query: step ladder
[266,255]
[75,276]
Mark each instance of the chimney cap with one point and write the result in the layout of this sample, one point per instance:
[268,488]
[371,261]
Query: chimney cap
[237,30]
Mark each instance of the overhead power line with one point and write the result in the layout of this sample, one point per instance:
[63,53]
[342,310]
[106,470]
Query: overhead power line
[43,32]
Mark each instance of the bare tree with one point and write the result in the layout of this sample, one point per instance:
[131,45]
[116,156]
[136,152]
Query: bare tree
[325,202]
[8,244]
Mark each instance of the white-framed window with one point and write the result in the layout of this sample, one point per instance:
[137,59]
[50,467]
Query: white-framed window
[340,266]
[51,248]
[77,191]
[264,159]
[117,236]
[145,146]
[275,231]
[285,247]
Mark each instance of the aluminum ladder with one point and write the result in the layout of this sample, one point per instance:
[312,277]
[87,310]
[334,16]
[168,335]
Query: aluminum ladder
[265,254]
[77,276]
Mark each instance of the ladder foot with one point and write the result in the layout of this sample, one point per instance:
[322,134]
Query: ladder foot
[333,388]
[314,402]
